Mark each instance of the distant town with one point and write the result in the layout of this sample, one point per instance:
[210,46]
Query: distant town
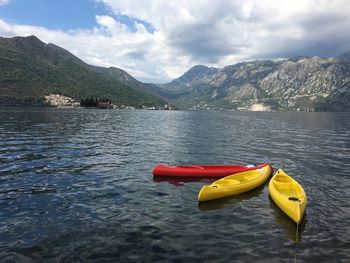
[62,101]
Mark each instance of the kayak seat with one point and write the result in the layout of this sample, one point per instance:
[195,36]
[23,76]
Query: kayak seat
[233,181]
[282,179]
[251,176]
[228,182]
[285,188]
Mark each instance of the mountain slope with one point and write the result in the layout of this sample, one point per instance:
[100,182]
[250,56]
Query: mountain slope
[30,69]
[345,57]
[301,83]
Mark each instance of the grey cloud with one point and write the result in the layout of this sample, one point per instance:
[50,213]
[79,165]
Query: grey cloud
[203,42]
[214,36]
[324,35]
[139,55]
[327,35]
[292,48]
[228,31]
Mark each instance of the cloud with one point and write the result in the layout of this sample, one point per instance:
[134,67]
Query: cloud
[109,44]
[306,28]
[225,32]
[158,40]
[4,2]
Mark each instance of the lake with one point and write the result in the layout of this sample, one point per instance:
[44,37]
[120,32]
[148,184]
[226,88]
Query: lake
[76,185]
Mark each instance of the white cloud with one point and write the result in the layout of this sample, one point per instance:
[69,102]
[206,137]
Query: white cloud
[109,44]
[4,2]
[223,31]
[214,33]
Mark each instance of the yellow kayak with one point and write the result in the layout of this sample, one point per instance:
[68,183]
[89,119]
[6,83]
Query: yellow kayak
[235,184]
[288,195]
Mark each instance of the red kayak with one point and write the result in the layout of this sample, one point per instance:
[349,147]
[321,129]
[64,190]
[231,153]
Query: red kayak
[202,171]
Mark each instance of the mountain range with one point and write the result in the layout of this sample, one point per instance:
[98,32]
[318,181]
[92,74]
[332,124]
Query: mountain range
[300,83]
[30,69]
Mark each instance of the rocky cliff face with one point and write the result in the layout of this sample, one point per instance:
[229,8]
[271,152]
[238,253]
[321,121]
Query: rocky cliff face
[309,83]
[301,83]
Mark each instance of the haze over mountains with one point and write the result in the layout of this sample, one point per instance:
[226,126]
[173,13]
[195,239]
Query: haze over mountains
[30,69]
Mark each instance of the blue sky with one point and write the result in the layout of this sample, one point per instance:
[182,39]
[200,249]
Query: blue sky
[61,14]
[158,40]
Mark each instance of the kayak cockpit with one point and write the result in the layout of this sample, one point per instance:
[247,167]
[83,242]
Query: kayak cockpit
[287,187]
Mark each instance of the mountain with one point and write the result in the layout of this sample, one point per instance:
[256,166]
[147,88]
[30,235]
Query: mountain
[30,69]
[195,75]
[345,57]
[300,83]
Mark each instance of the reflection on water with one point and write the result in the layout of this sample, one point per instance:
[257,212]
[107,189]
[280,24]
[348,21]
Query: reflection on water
[289,225]
[229,201]
[180,181]
[76,186]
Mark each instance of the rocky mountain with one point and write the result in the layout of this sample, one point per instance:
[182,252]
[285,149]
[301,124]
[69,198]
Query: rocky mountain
[301,83]
[31,69]
[345,57]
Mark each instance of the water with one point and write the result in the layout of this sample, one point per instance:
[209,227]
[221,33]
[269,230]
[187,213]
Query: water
[76,185]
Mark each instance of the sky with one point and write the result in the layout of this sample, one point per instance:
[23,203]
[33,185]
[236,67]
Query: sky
[159,40]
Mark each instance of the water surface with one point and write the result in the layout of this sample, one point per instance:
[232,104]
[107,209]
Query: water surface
[76,185]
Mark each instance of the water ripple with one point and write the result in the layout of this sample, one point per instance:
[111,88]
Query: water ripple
[76,185]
